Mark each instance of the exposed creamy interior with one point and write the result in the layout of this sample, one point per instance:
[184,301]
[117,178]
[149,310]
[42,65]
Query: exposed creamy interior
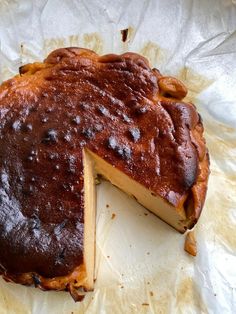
[89,218]
[94,165]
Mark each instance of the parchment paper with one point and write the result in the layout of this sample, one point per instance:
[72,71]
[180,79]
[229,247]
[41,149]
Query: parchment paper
[141,266]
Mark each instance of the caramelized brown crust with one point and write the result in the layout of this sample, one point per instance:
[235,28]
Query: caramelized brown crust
[121,110]
[73,282]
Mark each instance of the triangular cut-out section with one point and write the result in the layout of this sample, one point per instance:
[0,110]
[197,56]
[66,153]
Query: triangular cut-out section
[94,165]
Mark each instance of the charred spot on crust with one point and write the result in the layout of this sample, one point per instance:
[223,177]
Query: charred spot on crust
[58,229]
[122,150]
[140,110]
[88,132]
[16,125]
[76,120]
[104,111]
[60,259]
[2,269]
[50,137]
[36,280]
[84,106]
[35,222]
[27,127]
[112,142]
[135,134]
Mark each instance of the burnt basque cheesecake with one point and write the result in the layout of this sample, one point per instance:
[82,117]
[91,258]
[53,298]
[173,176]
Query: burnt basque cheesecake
[70,118]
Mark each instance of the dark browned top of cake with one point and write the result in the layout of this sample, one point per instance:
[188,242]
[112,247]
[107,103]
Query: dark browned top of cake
[76,99]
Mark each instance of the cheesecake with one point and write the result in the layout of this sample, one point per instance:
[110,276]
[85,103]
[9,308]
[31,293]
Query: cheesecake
[71,118]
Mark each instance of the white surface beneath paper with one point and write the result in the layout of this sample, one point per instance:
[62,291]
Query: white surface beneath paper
[141,266]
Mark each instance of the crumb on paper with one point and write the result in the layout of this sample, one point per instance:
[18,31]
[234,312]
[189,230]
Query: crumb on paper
[148,283]
[190,245]
[113,216]
[108,256]
[124,34]
[146,214]
[148,253]
[146,304]
[107,205]
[151,293]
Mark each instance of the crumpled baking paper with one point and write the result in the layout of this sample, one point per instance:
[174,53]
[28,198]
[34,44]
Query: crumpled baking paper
[141,266]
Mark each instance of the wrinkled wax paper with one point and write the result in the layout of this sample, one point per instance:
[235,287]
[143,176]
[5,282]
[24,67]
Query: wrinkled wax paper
[141,266]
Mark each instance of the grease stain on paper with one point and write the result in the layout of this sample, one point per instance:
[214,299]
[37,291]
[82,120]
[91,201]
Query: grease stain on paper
[73,40]
[221,194]
[187,293]
[226,230]
[26,54]
[162,304]
[194,82]
[155,54]
[10,304]
[53,43]
[223,226]
[223,128]
[91,41]
[219,147]
[221,142]
[94,42]
[5,74]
